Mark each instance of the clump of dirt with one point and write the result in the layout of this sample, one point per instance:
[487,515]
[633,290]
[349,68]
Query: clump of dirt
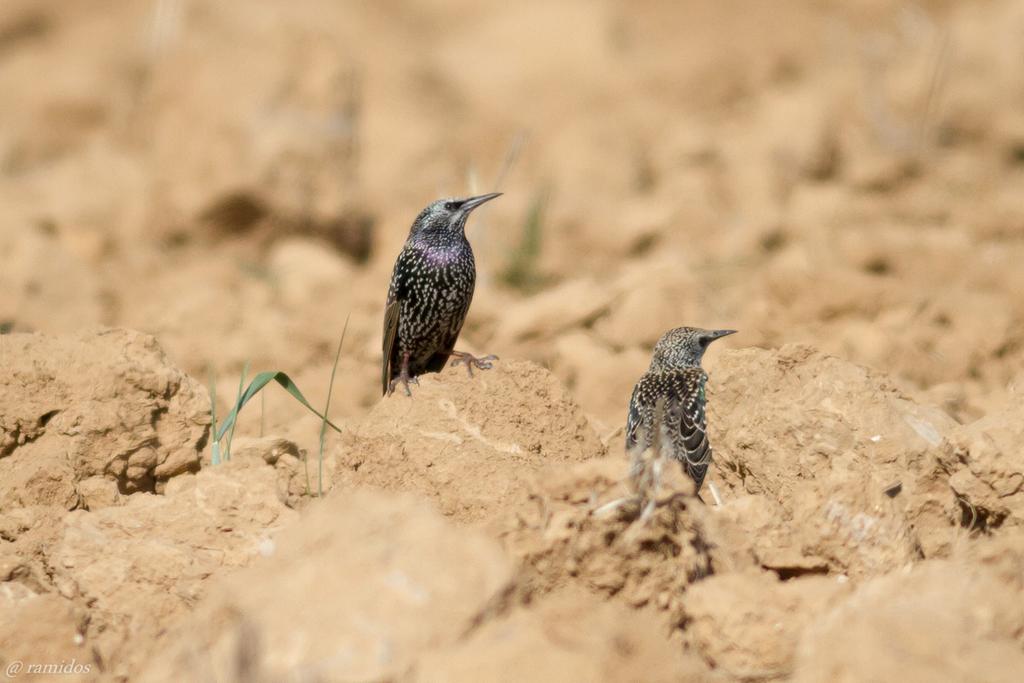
[90,416]
[422,599]
[569,636]
[950,620]
[836,450]
[122,575]
[363,586]
[297,477]
[47,627]
[742,583]
[468,443]
[983,459]
[794,414]
[747,624]
[580,526]
[529,529]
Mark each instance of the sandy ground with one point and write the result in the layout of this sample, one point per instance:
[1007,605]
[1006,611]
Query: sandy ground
[188,187]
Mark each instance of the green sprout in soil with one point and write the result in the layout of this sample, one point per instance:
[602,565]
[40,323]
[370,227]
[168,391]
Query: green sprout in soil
[227,426]
[522,271]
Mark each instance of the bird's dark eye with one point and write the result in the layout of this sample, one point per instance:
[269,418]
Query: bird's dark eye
[452,205]
[704,341]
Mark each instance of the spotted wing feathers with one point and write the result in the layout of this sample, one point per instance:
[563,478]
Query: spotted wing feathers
[683,422]
[634,420]
[686,420]
[391,314]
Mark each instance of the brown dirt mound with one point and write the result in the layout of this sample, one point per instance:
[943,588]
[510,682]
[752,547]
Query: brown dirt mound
[785,416]
[806,513]
[121,575]
[570,531]
[86,416]
[984,462]
[468,443]
[838,452]
[705,568]
[948,620]
[753,589]
[422,600]
[569,636]
[358,591]
[747,624]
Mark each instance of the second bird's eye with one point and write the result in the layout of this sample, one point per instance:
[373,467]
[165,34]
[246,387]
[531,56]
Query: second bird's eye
[451,206]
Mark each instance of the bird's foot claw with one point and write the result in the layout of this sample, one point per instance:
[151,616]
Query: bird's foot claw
[471,361]
[405,384]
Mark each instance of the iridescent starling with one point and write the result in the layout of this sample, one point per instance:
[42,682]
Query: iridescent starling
[674,383]
[431,289]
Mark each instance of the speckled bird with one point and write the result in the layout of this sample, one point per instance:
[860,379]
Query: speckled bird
[676,379]
[431,289]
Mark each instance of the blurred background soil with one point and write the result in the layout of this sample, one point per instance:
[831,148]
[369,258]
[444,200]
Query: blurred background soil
[231,181]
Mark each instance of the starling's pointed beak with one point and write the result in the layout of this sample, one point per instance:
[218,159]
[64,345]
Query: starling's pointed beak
[473,202]
[718,334]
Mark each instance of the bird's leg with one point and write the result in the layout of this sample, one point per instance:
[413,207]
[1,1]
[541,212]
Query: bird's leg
[471,361]
[655,489]
[714,493]
[403,377]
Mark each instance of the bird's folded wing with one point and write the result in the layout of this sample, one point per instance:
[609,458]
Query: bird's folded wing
[633,420]
[687,406]
[390,339]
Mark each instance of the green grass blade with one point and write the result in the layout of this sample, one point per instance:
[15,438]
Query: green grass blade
[215,446]
[261,380]
[231,434]
[327,408]
[263,414]
[305,468]
[522,271]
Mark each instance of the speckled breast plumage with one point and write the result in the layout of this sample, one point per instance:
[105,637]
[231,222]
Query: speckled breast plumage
[435,284]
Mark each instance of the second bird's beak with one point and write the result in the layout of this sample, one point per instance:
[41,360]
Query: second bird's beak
[473,202]
[718,334]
